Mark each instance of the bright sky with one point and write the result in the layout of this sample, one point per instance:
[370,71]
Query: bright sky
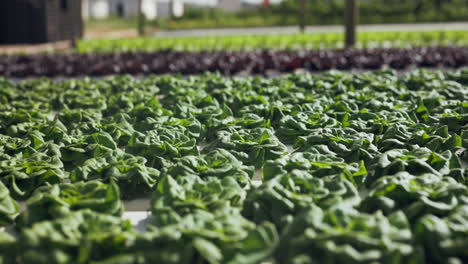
[213,2]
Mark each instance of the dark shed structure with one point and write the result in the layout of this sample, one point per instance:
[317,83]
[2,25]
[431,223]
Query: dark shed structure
[39,21]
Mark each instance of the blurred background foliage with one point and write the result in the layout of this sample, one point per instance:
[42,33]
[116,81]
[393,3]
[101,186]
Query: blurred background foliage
[323,12]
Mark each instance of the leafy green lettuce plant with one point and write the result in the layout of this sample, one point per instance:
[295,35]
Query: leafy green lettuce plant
[283,197]
[218,163]
[60,200]
[9,208]
[79,237]
[346,235]
[251,146]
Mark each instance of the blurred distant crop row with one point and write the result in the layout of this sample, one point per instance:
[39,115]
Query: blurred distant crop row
[264,62]
[294,41]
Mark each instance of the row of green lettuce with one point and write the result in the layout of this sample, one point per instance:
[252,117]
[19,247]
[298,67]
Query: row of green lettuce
[330,40]
[356,168]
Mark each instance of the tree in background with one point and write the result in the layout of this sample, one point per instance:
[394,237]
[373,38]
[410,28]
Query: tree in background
[141,19]
[303,15]
[376,11]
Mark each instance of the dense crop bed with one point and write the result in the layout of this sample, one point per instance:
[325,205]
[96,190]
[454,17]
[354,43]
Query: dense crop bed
[294,41]
[231,62]
[365,168]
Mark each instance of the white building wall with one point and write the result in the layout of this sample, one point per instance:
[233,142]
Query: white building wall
[95,9]
[230,5]
[129,8]
[85,9]
[178,8]
[150,8]
[165,9]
